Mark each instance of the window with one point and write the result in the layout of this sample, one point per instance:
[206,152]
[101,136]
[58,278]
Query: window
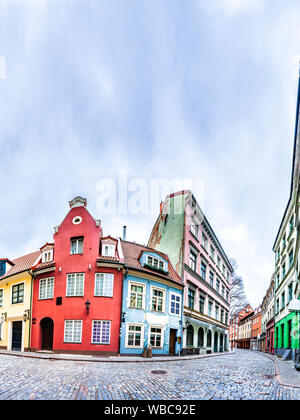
[158,300]
[194,228]
[47,256]
[108,250]
[204,241]
[104,284]
[222,315]
[218,285]
[203,271]
[73,331]
[210,304]
[46,288]
[193,260]
[191,298]
[283,300]
[290,292]
[156,263]
[283,271]
[217,312]
[201,304]
[226,318]
[1,297]
[227,295]
[223,290]
[223,270]
[291,258]
[134,335]
[212,253]
[277,305]
[219,262]
[283,241]
[18,293]
[291,224]
[156,337]
[208,338]
[136,296]
[76,246]
[175,304]
[75,284]
[101,332]
[211,278]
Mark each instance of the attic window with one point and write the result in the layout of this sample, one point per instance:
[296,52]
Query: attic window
[156,263]
[47,256]
[108,250]
[77,220]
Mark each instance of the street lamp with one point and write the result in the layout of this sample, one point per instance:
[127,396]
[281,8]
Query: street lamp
[87,306]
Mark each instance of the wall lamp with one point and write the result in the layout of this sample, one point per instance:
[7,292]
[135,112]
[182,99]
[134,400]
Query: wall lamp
[26,315]
[87,306]
[123,316]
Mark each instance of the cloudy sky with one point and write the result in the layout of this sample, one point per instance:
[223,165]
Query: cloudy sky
[139,90]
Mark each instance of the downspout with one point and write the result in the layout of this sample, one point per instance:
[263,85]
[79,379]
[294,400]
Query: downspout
[30,313]
[121,314]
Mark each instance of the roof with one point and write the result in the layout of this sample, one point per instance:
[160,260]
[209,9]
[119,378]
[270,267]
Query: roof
[22,264]
[132,251]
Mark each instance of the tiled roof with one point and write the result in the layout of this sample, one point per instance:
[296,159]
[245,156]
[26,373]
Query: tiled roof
[105,258]
[132,252]
[44,265]
[22,264]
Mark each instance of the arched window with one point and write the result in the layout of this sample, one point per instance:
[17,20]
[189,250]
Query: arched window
[200,337]
[190,336]
[209,338]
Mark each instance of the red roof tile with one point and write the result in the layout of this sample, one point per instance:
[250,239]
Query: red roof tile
[132,252]
[22,264]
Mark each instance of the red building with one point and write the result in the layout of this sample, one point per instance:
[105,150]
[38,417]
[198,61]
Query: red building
[256,329]
[234,327]
[77,288]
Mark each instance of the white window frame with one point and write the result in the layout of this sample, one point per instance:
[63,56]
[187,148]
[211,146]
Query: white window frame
[164,299]
[135,324]
[158,261]
[73,320]
[74,274]
[194,228]
[47,256]
[144,286]
[105,281]
[47,282]
[111,250]
[81,238]
[162,335]
[101,320]
[170,301]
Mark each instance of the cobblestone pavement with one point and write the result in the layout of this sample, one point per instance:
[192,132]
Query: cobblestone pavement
[243,375]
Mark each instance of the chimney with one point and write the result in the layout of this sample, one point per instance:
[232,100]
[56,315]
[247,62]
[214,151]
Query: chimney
[124,233]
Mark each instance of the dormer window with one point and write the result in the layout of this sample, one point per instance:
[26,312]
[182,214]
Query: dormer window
[76,246]
[108,250]
[47,256]
[156,263]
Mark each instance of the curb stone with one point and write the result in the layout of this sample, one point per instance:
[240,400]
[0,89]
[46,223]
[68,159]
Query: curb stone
[277,371]
[113,360]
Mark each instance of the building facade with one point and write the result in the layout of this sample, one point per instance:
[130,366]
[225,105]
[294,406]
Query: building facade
[256,330]
[267,320]
[77,288]
[15,302]
[183,232]
[286,249]
[234,333]
[245,331]
[151,304]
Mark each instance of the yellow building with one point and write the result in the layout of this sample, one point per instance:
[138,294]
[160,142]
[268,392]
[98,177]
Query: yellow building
[15,302]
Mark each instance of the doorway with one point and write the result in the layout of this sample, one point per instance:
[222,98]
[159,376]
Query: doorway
[16,343]
[172,342]
[47,327]
[216,339]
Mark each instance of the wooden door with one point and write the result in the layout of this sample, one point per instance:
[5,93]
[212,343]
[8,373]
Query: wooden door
[172,342]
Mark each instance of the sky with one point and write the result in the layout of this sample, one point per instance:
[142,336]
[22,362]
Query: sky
[126,93]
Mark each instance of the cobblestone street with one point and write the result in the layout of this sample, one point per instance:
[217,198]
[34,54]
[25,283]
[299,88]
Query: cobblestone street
[243,375]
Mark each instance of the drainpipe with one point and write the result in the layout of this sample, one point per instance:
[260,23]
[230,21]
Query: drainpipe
[30,320]
[121,315]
